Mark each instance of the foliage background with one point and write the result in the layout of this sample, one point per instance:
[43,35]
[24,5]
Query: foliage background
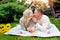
[11,11]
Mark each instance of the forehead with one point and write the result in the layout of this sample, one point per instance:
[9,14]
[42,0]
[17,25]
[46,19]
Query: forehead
[35,11]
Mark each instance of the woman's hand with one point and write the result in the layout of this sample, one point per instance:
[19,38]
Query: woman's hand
[34,20]
[30,29]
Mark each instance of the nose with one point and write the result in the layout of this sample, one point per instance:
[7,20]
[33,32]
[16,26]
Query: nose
[34,14]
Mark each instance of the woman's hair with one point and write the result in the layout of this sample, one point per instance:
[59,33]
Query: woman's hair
[27,14]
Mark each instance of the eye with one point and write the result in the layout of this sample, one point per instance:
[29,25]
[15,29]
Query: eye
[2,26]
[7,26]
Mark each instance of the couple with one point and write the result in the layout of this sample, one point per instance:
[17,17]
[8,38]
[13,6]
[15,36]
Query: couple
[34,22]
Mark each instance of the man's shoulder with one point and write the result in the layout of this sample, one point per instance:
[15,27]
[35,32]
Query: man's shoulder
[45,17]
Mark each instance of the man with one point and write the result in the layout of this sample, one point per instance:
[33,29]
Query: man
[40,20]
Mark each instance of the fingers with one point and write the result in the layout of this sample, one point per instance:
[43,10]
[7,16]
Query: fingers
[30,29]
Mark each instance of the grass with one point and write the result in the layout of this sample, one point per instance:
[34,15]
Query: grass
[53,20]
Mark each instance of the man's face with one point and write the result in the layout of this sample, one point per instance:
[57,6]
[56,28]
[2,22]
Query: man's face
[37,14]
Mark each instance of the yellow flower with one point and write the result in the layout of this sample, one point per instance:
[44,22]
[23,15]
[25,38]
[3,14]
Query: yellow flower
[2,28]
[7,27]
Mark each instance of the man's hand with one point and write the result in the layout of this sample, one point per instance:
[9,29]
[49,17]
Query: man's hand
[34,20]
[30,29]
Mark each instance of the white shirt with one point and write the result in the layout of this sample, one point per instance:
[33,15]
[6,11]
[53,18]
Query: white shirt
[42,24]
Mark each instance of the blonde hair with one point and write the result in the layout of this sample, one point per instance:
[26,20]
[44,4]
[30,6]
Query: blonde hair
[27,14]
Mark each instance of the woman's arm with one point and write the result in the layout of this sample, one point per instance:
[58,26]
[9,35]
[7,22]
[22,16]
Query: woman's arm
[22,23]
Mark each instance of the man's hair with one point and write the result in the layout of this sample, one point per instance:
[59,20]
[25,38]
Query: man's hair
[39,10]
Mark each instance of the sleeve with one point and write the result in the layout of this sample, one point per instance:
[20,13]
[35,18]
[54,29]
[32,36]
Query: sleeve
[22,23]
[44,26]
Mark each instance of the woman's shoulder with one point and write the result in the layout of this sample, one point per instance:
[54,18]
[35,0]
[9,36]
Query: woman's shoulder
[21,18]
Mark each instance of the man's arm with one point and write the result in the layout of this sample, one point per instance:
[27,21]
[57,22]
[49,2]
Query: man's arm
[42,27]
[45,24]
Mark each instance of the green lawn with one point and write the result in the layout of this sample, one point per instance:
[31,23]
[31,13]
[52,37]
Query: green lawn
[8,37]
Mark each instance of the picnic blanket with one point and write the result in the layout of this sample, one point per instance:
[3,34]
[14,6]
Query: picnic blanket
[53,31]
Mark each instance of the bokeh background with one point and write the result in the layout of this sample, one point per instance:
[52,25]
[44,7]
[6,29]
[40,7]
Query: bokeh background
[12,10]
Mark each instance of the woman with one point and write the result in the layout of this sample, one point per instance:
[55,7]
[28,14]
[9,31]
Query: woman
[25,21]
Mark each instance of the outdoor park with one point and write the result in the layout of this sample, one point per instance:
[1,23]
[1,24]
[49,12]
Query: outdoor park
[12,10]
